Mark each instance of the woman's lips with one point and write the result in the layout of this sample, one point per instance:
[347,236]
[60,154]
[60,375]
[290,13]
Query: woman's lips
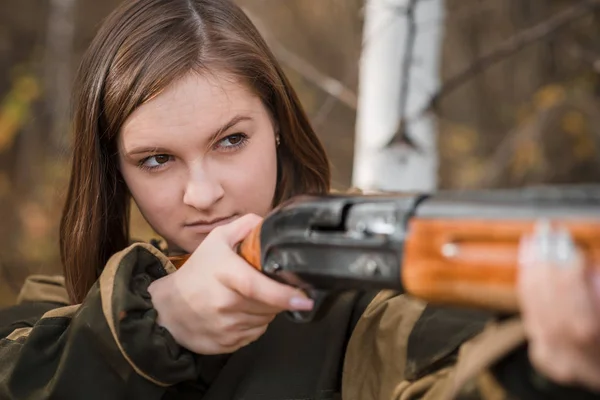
[208,226]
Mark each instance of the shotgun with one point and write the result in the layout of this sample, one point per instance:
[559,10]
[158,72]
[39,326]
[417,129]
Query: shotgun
[456,248]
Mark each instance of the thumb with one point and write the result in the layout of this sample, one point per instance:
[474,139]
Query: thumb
[236,231]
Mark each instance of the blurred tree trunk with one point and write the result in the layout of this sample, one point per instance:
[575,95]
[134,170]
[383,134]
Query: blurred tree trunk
[58,66]
[21,28]
[41,43]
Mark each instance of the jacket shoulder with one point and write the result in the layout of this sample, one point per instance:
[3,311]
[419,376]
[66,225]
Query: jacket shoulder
[402,344]
[38,295]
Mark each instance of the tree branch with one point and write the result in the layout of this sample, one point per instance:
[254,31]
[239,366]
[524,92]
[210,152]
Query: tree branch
[509,47]
[290,59]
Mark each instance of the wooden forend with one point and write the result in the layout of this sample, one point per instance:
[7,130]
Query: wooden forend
[474,263]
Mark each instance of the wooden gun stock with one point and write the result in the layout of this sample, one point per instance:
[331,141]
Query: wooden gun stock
[248,249]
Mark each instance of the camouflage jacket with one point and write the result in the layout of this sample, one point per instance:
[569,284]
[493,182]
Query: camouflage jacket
[369,347]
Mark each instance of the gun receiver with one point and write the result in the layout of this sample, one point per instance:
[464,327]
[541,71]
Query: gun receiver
[451,247]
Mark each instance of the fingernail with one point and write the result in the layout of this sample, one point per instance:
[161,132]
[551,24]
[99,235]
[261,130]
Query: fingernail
[301,303]
[542,241]
[564,249]
[524,255]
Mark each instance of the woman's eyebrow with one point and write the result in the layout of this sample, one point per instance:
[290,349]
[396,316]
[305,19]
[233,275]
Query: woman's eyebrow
[146,150]
[232,122]
[211,140]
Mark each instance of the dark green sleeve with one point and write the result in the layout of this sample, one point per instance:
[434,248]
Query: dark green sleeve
[107,347]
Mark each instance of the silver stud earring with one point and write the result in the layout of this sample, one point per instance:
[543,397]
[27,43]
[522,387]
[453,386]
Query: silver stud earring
[277,140]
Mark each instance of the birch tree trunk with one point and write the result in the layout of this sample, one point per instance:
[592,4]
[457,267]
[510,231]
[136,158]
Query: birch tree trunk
[386,94]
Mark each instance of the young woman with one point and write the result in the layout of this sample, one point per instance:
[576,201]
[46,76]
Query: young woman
[180,106]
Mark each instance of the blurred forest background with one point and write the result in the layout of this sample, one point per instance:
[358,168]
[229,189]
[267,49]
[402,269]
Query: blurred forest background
[518,102]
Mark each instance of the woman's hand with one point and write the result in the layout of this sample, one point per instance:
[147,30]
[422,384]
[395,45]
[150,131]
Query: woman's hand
[560,300]
[216,302]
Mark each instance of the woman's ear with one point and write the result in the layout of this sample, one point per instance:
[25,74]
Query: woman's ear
[277,131]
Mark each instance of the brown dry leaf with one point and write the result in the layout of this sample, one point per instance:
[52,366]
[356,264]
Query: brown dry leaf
[15,108]
[573,122]
[10,121]
[548,96]
[575,125]
[470,172]
[584,148]
[527,156]
[27,88]
[461,139]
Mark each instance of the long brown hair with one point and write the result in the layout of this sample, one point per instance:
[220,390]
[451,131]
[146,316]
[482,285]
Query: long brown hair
[141,48]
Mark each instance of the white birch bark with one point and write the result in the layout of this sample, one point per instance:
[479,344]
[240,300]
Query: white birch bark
[396,168]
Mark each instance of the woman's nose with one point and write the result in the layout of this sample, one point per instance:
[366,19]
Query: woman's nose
[202,190]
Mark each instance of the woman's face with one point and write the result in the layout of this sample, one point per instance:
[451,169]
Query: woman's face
[199,155]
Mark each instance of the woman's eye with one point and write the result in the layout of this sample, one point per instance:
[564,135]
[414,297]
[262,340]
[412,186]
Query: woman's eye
[155,161]
[232,141]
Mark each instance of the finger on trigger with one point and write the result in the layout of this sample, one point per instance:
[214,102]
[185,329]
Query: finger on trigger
[254,285]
